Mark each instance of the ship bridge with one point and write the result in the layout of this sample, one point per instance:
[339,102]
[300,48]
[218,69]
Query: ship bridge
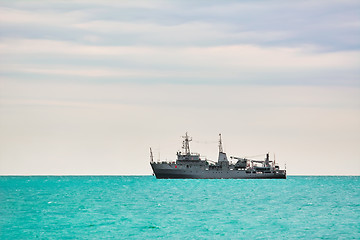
[187,157]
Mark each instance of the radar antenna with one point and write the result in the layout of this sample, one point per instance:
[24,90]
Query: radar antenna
[186,146]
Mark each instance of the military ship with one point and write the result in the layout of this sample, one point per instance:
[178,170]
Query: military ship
[192,165]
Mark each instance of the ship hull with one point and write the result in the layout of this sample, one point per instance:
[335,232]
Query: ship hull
[167,172]
[191,165]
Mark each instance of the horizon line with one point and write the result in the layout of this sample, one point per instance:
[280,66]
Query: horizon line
[143,175]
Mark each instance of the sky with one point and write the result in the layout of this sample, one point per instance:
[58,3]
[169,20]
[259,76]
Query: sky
[86,87]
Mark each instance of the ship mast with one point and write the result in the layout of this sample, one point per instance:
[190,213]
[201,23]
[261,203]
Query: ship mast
[186,146]
[220,144]
[151,156]
[222,156]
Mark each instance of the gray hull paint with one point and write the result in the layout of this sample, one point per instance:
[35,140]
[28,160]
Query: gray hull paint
[166,173]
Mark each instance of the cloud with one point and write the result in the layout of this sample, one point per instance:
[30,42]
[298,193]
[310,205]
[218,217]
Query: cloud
[51,17]
[88,72]
[197,96]
[326,24]
[248,55]
[240,64]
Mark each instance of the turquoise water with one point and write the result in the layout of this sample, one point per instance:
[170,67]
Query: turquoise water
[118,207]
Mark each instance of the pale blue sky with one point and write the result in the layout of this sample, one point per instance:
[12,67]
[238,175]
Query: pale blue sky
[87,86]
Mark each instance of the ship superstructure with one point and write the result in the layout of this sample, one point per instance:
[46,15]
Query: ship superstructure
[191,165]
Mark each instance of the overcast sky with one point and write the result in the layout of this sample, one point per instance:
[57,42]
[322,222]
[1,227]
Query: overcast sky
[86,87]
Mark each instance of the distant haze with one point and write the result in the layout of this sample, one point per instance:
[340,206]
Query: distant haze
[86,87]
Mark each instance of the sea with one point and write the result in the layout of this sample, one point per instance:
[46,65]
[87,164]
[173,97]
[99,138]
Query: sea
[143,207]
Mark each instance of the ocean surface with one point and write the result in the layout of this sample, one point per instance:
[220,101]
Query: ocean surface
[142,207]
